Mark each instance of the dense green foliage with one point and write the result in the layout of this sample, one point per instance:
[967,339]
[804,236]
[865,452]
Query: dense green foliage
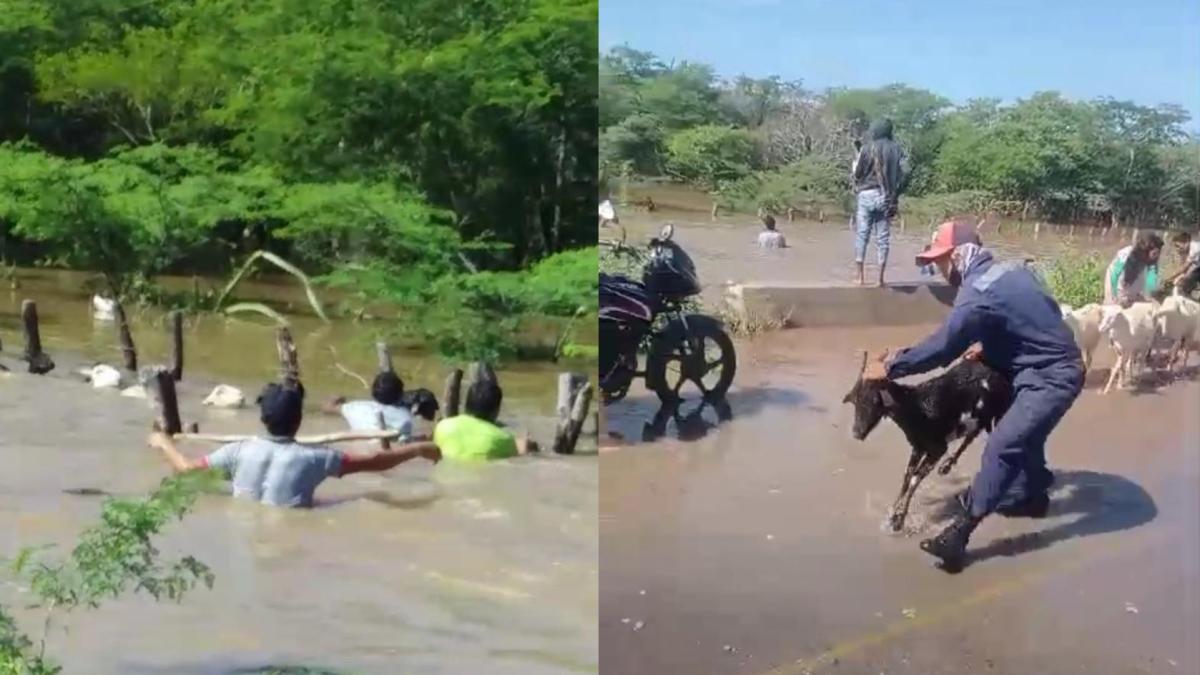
[109,558]
[355,137]
[1075,279]
[1101,161]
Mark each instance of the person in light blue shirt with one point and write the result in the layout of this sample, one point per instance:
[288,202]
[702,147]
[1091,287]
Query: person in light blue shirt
[277,470]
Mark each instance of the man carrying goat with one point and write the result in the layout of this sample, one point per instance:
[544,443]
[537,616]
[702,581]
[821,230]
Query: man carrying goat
[1004,307]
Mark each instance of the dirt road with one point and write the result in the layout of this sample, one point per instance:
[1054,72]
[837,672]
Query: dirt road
[757,548]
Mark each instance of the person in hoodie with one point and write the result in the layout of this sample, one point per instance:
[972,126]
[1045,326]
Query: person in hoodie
[879,175]
[1004,308]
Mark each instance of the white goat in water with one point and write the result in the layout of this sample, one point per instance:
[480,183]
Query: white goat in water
[1178,320]
[1131,333]
[1085,326]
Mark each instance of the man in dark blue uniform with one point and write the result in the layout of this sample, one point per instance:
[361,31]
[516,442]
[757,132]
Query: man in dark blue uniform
[1004,307]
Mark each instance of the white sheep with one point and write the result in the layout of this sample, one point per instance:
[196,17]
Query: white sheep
[104,309]
[1178,320]
[1085,326]
[103,377]
[1131,333]
[225,396]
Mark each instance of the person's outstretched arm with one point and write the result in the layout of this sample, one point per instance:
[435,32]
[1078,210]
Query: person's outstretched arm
[333,406]
[962,328]
[387,459]
[178,462]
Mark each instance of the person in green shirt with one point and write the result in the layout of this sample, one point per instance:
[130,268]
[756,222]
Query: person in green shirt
[474,435]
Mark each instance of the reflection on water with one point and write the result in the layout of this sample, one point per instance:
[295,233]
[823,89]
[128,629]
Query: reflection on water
[446,569]
[693,420]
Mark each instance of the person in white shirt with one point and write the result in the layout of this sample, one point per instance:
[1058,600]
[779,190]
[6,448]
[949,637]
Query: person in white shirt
[388,405]
[770,237]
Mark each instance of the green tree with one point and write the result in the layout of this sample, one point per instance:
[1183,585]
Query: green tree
[711,155]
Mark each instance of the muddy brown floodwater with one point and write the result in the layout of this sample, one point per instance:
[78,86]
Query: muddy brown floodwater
[446,569]
[758,546]
[724,250]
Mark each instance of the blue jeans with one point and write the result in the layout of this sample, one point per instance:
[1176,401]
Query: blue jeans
[872,212]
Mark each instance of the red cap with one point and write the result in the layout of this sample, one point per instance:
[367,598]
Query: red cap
[946,238]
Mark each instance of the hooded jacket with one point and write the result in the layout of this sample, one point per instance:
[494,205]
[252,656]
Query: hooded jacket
[880,163]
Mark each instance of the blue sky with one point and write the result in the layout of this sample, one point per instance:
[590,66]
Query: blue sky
[1147,51]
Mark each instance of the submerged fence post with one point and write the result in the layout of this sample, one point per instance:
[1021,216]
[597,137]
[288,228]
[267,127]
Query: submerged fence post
[177,345]
[162,383]
[453,392]
[39,362]
[579,411]
[128,352]
[289,364]
[385,357]
[569,386]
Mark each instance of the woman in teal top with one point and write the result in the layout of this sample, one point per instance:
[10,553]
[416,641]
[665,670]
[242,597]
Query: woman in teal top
[1133,273]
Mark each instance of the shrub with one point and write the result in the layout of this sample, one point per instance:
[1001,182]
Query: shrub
[1075,279]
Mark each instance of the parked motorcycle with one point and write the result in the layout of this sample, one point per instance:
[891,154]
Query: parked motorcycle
[649,316]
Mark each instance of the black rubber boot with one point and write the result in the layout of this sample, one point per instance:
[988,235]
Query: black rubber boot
[1033,506]
[951,544]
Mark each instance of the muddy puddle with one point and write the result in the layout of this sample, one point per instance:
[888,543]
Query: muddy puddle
[446,569]
[754,543]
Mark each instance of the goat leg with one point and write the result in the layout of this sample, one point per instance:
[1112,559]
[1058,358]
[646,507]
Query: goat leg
[912,480]
[1116,369]
[950,461]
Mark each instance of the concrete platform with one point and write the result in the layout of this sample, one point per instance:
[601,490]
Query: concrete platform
[800,304]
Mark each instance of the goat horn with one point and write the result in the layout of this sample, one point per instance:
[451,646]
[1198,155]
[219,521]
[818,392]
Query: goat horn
[863,368]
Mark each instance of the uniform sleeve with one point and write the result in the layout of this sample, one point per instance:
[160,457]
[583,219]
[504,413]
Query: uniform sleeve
[962,328]
[224,458]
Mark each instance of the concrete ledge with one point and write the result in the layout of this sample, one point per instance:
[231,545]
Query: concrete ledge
[798,305]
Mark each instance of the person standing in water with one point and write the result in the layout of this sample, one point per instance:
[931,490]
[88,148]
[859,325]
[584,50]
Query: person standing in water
[878,181]
[770,237]
[276,470]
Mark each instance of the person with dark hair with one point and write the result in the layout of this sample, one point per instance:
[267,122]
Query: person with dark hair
[277,470]
[387,402]
[475,434]
[879,177]
[1188,277]
[1133,273]
[770,237]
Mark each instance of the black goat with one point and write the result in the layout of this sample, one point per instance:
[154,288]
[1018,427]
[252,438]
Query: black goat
[968,398]
[421,402]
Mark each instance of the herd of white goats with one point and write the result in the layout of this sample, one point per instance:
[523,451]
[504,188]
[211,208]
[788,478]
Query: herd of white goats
[1133,332]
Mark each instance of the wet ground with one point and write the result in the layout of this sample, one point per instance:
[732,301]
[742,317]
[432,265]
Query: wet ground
[757,546]
[446,569]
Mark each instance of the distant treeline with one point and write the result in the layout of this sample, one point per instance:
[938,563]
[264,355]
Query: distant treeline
[766,142]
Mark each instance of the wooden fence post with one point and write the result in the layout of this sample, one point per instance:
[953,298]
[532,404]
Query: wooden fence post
[177,345]
[289,364]
[40,363]
[453,393]
[128,352]
[163,387]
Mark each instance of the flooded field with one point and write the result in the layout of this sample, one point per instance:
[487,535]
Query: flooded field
[724,250]
[446,569]
[754,545]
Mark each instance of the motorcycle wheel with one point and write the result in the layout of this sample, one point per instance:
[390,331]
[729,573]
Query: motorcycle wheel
[704,357]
